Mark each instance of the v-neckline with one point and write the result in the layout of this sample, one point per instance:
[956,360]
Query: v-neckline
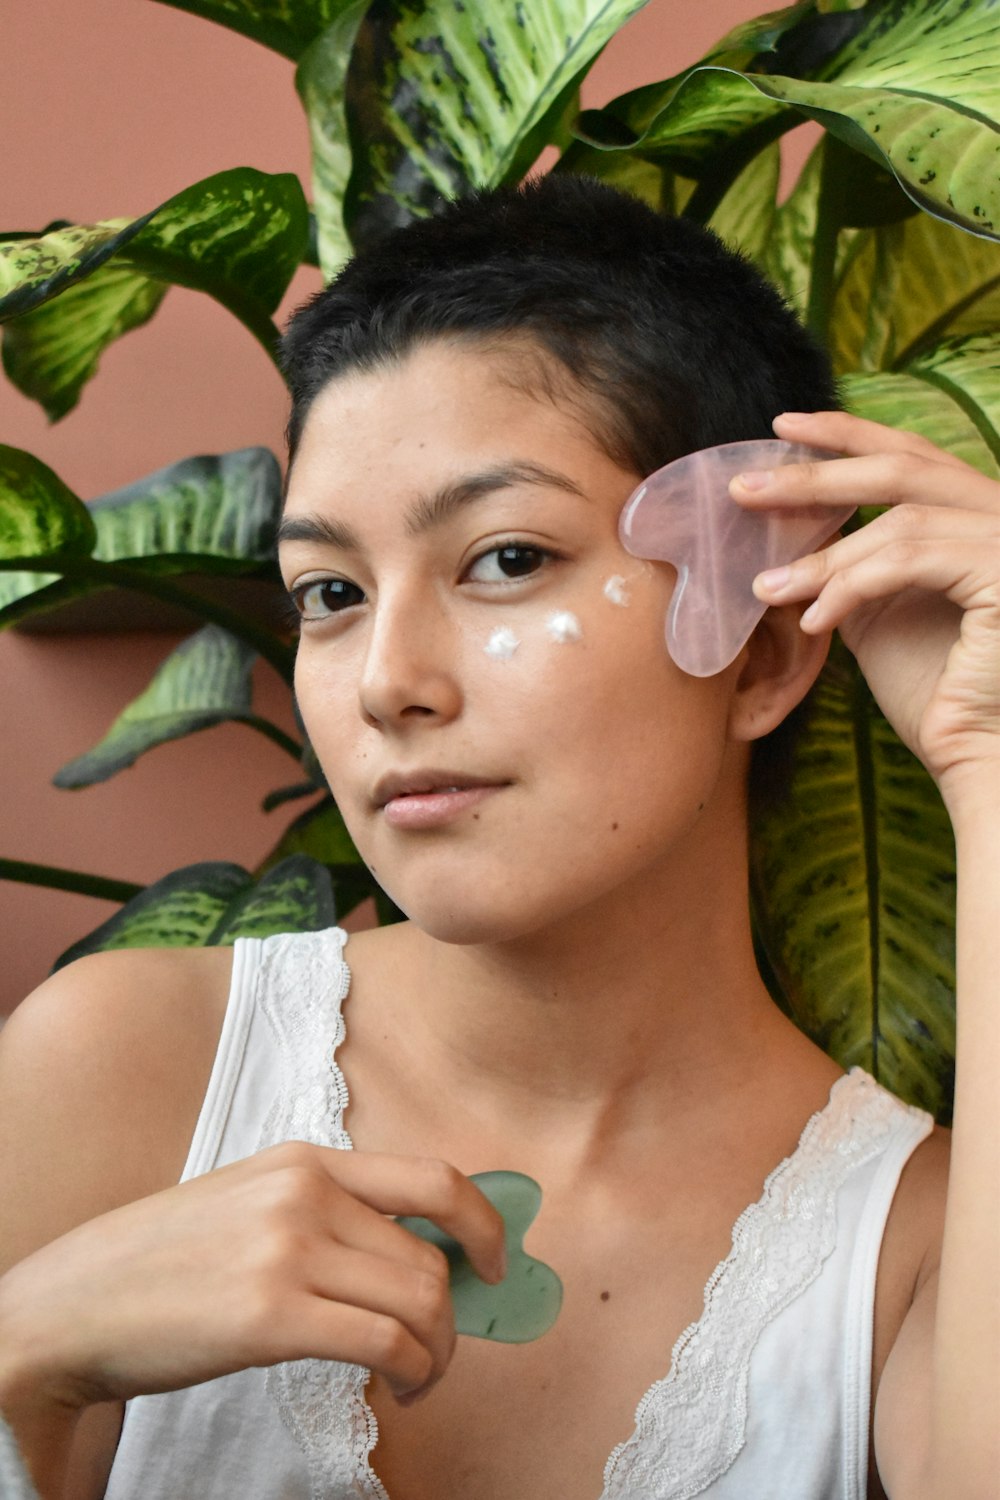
[690,1334]
[849,1129]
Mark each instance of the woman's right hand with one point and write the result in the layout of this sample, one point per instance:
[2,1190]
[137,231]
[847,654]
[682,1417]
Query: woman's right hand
[285,1255]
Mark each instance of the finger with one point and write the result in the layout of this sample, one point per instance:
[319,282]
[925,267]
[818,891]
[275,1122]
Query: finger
[857,436]
[429,1188]
[317,1329]
[803,578]
[949,568]
[877,479]
[417,1298]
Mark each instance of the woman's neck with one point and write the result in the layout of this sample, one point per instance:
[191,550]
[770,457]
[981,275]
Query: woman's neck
[615,1021]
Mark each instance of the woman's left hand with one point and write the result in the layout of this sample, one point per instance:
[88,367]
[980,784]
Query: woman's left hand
[915,593]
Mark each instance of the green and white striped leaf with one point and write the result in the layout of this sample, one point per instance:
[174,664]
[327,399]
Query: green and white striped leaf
[50,353]
[907,402]
[968,370]
[320,80]
[39,514]
[239,236]
[908,285]
[853,885]
[688,120]
[443,97]
[212,904]
[286,26]
[295,896]
[180,911]
[204,682]
[205,515]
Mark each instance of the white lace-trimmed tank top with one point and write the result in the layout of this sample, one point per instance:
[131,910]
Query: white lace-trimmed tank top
[767,1394]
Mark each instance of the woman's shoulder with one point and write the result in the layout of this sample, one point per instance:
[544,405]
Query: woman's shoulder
[102,1073]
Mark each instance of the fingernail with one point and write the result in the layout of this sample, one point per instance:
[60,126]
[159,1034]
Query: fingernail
[772,581]
[759,479]
[793,416]
[810,614]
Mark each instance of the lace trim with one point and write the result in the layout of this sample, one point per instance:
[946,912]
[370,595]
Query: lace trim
[779,1246]
[302,982]
[691,1425]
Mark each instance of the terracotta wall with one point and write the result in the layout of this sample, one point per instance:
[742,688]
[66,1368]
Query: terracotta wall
[109,107]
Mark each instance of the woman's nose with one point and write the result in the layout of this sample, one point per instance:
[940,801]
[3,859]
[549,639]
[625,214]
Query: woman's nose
[410,665]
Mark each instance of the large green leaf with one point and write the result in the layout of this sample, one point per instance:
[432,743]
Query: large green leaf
[180,911]
[908,402]
[239,236]
[51,352]
[853,885]
[320,80]
[448,96]
[966,369]
[902,84]
[321,833]
[202,515]
[286,26]
[39,514]
[295,896]
[214,903]
[204,682]
[907,286]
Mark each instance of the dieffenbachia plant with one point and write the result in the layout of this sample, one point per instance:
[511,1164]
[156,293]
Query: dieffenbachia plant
[887,246]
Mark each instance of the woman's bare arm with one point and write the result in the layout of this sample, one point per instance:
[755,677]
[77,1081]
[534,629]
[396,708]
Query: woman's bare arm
[102,1072]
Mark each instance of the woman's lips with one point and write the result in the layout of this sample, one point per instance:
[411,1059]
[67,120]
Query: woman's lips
[433,809]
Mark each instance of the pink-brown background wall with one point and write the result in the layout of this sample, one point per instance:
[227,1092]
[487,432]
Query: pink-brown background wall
[109,107]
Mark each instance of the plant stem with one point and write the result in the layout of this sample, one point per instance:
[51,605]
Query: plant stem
[265,727]
[120,575]
[824,251]
[68,880]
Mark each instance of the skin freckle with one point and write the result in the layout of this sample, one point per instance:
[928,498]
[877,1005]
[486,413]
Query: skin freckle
[605,1296]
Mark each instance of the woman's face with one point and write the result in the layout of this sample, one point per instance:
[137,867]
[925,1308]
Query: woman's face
[482,667]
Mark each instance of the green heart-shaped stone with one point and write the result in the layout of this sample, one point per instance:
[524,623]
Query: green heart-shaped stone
[527,1302]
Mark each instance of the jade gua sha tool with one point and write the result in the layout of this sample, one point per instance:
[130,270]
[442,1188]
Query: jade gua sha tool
[527,1302]
[683,514]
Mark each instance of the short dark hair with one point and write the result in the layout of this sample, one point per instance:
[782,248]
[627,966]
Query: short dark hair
[681,341]
[674,342]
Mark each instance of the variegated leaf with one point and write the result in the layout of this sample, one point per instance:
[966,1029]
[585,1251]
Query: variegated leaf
[239,236]
[320,80]
[446,97]
[205,681]
[51,352]
[214,515]
[854,886]
[907,402]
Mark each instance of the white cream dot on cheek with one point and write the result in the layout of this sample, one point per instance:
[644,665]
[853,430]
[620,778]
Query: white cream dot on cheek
[502,644]
[616,590]
[563,627]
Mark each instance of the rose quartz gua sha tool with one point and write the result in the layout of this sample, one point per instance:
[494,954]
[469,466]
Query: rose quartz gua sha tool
[684,514]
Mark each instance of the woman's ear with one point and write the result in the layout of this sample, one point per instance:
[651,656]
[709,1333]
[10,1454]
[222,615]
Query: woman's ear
[776,668]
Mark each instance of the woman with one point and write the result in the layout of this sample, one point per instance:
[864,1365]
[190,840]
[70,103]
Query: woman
[560,811]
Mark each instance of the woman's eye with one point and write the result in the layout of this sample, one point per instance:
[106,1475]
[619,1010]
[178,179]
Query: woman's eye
[324,597]
[504,563]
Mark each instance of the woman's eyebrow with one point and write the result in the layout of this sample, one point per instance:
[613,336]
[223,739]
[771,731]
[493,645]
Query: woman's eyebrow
[431,510]
[434,510]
